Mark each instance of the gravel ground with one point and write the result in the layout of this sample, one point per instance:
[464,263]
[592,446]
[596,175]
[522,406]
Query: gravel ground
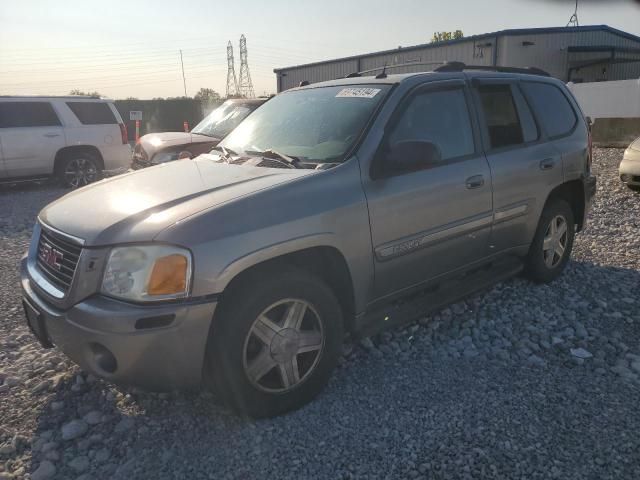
[524,381]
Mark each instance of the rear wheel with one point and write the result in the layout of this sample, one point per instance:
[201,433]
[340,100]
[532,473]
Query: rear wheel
[552,243]
[79,170]
[274,343]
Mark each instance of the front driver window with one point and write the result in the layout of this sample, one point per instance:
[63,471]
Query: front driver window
[440,117]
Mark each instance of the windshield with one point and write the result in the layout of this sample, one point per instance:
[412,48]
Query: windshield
[314,124]
[222,120]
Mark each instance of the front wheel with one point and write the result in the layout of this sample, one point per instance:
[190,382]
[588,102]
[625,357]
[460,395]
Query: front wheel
[78,171]
[274,343]
[552,243]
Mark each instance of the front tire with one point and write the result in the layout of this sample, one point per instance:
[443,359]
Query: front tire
[274,342]
[552,244]
[79,170]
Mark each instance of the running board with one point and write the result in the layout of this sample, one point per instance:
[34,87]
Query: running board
[436,296]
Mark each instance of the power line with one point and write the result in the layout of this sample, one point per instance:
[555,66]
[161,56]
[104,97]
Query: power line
[121,76]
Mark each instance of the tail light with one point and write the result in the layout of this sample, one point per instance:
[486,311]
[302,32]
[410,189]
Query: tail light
[123,133]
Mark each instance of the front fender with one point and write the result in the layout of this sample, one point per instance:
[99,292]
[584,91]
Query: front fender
[269,252]
[323,209]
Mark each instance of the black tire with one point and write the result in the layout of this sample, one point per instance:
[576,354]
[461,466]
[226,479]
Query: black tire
[635,188]
[86,167]
[226,367]
[537,267]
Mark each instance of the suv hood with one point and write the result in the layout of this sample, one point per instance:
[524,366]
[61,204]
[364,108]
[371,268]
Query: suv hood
[135,207]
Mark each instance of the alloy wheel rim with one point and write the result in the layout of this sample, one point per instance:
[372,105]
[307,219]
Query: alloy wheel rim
[80,172]
[283,346]
[555,240]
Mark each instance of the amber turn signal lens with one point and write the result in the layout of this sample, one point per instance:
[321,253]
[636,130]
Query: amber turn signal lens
[169,275]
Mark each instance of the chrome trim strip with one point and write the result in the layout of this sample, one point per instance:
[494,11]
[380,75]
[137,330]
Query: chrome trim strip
[77,240]
[407,245]
[510,212]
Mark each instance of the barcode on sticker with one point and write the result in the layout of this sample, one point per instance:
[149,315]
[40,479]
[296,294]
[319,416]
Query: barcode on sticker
[358,92]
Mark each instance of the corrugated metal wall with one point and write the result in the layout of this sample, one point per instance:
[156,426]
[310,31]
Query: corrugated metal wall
[461,52]
[547,51]
[316,73]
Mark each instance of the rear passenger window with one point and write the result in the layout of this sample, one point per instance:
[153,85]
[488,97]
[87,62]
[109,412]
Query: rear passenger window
[551,107]
[440,117]
[92,113]
[501,116]
[27,114]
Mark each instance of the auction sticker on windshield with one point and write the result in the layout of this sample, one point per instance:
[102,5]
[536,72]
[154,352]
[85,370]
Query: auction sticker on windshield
[358,92]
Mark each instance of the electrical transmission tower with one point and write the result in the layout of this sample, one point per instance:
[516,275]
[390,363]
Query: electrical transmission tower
[246,86]
[573,21]
[232,80]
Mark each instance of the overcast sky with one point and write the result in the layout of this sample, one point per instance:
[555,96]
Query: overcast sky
[131,48]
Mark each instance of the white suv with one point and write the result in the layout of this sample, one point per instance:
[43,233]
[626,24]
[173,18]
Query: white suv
[75,138]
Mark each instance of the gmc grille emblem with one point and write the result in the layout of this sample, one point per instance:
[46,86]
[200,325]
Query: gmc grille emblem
[51,256]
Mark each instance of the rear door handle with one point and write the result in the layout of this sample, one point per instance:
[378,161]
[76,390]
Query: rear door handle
[547,164]
[474,182]
[51,135]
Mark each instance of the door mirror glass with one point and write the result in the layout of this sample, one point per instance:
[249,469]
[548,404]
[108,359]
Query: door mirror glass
[413,155]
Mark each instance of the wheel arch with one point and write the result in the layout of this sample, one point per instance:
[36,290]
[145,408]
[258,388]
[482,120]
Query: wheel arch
[66,153]
[324,261]
[573,193]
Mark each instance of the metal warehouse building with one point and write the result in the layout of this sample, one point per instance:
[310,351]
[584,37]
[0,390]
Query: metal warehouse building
[578,54]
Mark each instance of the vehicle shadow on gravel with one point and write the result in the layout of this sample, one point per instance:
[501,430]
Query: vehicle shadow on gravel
[455,404]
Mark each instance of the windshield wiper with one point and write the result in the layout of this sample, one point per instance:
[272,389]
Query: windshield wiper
[226,152]
[288,160]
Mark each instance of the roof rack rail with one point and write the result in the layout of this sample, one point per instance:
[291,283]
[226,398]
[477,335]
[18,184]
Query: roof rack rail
[459,67]
[387,67]
[445,66]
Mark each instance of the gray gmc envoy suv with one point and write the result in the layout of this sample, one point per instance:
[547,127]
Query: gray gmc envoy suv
[335,208]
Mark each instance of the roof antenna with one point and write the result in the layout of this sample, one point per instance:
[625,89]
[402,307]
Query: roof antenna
[382,74]
[573,21]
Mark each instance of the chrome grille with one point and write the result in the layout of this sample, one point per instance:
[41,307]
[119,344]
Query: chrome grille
[57,259]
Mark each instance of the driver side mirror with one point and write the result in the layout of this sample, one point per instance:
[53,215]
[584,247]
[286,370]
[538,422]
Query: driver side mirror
[411,156]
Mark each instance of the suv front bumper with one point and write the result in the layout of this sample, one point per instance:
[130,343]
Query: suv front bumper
[158,347]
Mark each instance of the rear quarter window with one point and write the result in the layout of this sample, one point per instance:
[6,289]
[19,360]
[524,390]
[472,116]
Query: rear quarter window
[551,107]
[27,114]
[92,113]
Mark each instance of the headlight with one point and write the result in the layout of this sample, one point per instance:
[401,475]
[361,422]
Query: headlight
[164,157]
[147,273]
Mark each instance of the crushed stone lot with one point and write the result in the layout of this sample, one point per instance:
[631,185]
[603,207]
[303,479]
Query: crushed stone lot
[523,381]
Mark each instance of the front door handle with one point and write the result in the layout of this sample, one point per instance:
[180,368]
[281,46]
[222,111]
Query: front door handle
[474,182]
[51,135]
[547,164]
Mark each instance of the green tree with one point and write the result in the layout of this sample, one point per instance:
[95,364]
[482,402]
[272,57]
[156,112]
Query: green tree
[208,96]
[446,36]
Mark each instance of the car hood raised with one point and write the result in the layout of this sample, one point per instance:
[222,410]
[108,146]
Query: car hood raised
[135,207]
